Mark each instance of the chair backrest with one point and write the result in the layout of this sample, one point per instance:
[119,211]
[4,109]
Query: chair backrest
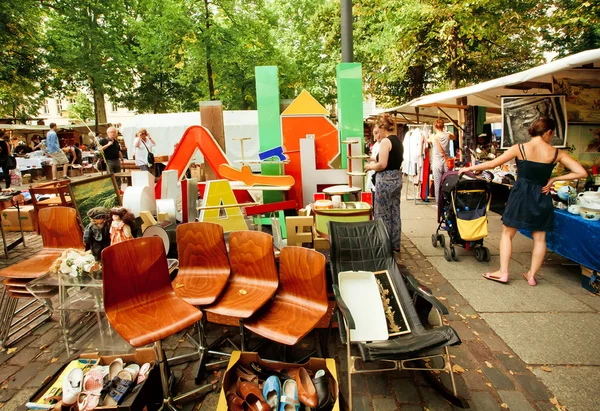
[366,246]
[251,257]
[134,270]
[302,277]
[201,246]
[59,228]
[58,188]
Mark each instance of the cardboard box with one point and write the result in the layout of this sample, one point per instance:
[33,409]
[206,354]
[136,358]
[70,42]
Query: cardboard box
[590,280]
[10,220]
[147,394]
[245,358]
[75,172]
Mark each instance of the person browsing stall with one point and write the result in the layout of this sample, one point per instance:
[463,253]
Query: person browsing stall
[4,154]
[142,144]
[55,152]
[388,178]
[74,154]
[529,204]
[440,142]
[112,151]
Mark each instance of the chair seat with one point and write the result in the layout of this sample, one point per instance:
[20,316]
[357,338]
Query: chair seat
[33,267]
[54,201]
[199,286]
[408,345]
[241,299]
[285,321]
[146,321]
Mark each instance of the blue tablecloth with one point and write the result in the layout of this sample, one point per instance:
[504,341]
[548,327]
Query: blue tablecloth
[574,238]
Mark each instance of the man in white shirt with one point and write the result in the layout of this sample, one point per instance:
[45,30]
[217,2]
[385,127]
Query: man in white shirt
[142,145]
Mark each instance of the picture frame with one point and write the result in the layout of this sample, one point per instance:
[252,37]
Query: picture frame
[519,112]
[581,88]
[99,191]
[392,306]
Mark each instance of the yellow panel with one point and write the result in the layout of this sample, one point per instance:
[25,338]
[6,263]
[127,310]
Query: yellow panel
[305,104]
[219,192]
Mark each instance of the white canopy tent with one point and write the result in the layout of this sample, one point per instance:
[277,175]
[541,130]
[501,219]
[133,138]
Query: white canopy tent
[537,80]
[167,129]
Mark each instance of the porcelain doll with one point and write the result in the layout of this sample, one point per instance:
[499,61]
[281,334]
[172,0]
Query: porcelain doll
[96,235]
[122,225]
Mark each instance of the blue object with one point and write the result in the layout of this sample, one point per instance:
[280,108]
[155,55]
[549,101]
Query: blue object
[289,395]
[273,152]
[574,238]
[52,142]
[564,192]
[272,392]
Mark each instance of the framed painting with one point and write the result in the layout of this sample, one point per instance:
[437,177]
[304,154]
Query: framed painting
[582,90]
[392,307]
[518,113]
[100,191]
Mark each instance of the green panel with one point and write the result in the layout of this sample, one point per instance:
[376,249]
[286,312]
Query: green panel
[269,122]
[350,106]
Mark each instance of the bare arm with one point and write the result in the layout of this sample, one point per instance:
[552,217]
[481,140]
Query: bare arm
[104,147]
[136,142]
[506,157]
[384,153]
[577,171]
[451,136]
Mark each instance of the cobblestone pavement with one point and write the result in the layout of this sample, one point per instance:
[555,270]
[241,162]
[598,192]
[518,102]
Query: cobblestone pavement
[488,374]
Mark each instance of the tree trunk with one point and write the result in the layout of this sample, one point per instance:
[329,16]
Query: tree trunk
[209,72]
[100,107]
[417,81]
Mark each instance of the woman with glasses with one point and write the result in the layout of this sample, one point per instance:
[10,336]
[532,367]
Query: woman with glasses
[142,145]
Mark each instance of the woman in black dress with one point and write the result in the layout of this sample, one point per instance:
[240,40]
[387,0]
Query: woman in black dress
[529,205]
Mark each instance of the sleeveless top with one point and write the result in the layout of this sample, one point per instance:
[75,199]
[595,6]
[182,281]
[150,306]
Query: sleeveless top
[396,154]
[527,207]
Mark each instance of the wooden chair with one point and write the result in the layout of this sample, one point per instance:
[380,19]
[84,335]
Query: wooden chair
[203,274]
[57,188]
[300,302]
[141,305]
[253,279]
[60,230]
[203,263]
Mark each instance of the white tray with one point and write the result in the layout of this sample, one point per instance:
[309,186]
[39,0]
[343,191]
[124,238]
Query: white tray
[360,293]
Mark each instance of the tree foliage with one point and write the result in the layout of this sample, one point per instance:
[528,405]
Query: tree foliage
[82,109]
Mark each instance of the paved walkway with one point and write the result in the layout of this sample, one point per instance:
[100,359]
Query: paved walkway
[524,348]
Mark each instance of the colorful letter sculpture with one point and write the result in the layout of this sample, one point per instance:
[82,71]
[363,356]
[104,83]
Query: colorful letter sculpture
[219,193]
[246,176]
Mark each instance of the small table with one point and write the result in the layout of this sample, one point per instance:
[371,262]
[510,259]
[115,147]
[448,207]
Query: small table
[81,309]
[7,200]
[341,190]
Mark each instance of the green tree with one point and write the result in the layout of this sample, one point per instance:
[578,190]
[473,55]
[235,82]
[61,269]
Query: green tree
[20,62]
[82,109]
[88,46]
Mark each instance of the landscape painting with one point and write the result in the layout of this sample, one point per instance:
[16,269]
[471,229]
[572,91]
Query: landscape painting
[93,192]
[582,93]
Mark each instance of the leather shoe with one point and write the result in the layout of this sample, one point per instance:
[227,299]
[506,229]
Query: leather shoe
[307,394]
[325,398]
[252,396]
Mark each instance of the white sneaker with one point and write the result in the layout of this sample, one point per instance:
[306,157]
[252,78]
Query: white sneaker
[72,386]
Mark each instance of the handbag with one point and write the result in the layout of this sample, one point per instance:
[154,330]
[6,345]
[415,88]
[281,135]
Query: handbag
[449,160]
[11,163]
[150,155]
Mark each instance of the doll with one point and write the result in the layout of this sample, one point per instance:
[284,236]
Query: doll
[96,235]
[122,226]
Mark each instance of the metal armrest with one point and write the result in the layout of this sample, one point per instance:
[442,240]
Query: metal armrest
[425,293]
[343,307]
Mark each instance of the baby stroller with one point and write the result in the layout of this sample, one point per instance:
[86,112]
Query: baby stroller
[463,205]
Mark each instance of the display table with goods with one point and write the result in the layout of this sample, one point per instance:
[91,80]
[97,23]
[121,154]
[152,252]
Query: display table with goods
[80,303]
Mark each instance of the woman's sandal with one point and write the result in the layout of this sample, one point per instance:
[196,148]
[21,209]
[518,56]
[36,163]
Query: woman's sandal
[503,279]
[530,280]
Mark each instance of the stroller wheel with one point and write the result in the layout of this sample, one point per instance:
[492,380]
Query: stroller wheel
[486,252]
[434,240]
[442,239]
[479,254]
[447,254]
[453,253]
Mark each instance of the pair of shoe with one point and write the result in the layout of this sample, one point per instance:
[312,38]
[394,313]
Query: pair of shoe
[121,380]
[313,393]
[246,396]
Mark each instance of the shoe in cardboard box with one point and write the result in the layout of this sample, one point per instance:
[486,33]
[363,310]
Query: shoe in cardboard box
[246,358]
[147,394]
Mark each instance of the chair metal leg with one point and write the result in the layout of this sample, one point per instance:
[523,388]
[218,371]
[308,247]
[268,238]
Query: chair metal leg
[449,369]
[349,366]
[164,377]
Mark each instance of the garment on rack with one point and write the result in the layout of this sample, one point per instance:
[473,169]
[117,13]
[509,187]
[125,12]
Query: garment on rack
[413,151]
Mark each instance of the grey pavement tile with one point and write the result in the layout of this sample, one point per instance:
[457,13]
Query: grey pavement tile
[521,244]
[515,400]
[532,387]
[433,400]
[498,379]
[468,268]
[6,394]
[6,371]
[419,227]
[378,384]
[512,363]
[384,404]
[361,402]
[494,343]
[546,338]
[19,398]
[18,380]
[592,300]
[483,401]
[567,278]
[24,356]
[463,331]
[474,380]
[406,391]
[574,387]
[517,296]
